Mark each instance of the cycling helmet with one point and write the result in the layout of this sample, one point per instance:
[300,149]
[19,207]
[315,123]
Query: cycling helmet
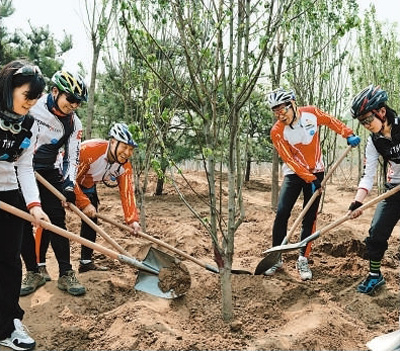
[370,98]
[71,83]
[280,96]
[120,132]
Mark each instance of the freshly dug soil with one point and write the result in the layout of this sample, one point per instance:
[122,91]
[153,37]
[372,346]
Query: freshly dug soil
[175,277]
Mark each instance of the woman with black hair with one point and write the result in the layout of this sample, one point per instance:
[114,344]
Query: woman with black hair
[21,85]
[370,108]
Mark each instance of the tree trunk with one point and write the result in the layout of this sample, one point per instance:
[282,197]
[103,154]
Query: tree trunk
[226,290]
[92,89]
[275,180]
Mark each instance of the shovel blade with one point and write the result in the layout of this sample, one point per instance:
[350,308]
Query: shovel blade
[274,254]
[157,260]
[267,262]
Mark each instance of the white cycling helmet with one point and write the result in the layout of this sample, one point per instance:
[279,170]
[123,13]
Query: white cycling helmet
[280,96]
[120,132]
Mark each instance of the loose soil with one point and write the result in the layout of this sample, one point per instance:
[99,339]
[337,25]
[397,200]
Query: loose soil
[271,313]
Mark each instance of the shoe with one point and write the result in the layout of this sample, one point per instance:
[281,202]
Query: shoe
[69,283]
[44,273]
[91,266]
[303,268]
[31,282]
[369,285]
[19,339]
[274,268]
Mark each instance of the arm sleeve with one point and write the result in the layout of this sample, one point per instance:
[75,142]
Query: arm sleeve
[25,173]
[127,193]
[71,156]
[332,123]
[81,199]
[371,164]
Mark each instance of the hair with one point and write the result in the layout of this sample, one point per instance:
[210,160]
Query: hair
[391,114]
[9,81]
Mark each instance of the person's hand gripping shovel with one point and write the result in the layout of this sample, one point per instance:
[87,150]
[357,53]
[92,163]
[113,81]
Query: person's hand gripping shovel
[273,257]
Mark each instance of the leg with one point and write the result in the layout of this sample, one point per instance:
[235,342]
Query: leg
[288,195]
[28,248]
[10,264]
[86,231]
[386,215]
[61,247]
[310,218]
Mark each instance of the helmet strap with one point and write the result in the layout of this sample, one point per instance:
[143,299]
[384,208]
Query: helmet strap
[113,153]
[295,116]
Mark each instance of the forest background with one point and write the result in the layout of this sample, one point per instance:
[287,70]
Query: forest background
[190,79]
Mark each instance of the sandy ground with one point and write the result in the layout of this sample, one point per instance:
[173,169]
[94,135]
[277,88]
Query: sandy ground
[271,313]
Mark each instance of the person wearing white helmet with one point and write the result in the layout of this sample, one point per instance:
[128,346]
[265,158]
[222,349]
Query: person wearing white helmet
[295,136]
[59,129]
[107,162]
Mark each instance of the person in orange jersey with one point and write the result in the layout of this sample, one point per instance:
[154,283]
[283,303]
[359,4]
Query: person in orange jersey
[107,162]
[296,138]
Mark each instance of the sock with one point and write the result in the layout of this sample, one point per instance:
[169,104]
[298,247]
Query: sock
[86,261]
[41,264]
[375,267]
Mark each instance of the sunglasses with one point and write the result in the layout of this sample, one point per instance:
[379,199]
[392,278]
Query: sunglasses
[72,99]
[28,70]
[282,110]
[368,120]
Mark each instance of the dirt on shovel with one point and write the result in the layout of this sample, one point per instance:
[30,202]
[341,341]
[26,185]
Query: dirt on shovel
[175,277]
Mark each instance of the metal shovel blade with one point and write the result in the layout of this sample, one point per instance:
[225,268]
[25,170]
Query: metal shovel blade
[274,253]
[175,280]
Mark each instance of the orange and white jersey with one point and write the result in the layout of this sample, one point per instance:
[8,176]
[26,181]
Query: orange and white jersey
[94,168]
[299,145]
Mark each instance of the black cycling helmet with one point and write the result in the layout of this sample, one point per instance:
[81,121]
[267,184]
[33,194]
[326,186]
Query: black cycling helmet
[370,98]
[71,83]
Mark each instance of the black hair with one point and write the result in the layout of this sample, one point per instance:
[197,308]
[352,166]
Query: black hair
[391,114]
[9,81]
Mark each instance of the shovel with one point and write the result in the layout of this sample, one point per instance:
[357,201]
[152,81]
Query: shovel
[274,253]
[168,278]
[385,342]
[277,256]
[169,247]
[85,218]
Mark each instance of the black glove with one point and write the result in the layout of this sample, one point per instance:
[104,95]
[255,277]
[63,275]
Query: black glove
[68,192]
[315,185]
[354,205]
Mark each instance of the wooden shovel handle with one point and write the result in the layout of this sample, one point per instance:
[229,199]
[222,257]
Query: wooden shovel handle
[57,230]
[85,218]
[314,196]
[154,240]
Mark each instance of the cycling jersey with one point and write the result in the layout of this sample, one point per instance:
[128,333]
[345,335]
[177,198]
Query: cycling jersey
[16,152]
[299,145]
[56,132]
[389,149]
[94,167]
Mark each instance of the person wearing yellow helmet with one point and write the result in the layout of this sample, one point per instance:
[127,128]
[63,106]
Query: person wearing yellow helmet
[59,129]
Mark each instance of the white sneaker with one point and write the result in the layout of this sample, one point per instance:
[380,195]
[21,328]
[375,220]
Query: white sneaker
[19,339]
[274,268]
[303,268]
